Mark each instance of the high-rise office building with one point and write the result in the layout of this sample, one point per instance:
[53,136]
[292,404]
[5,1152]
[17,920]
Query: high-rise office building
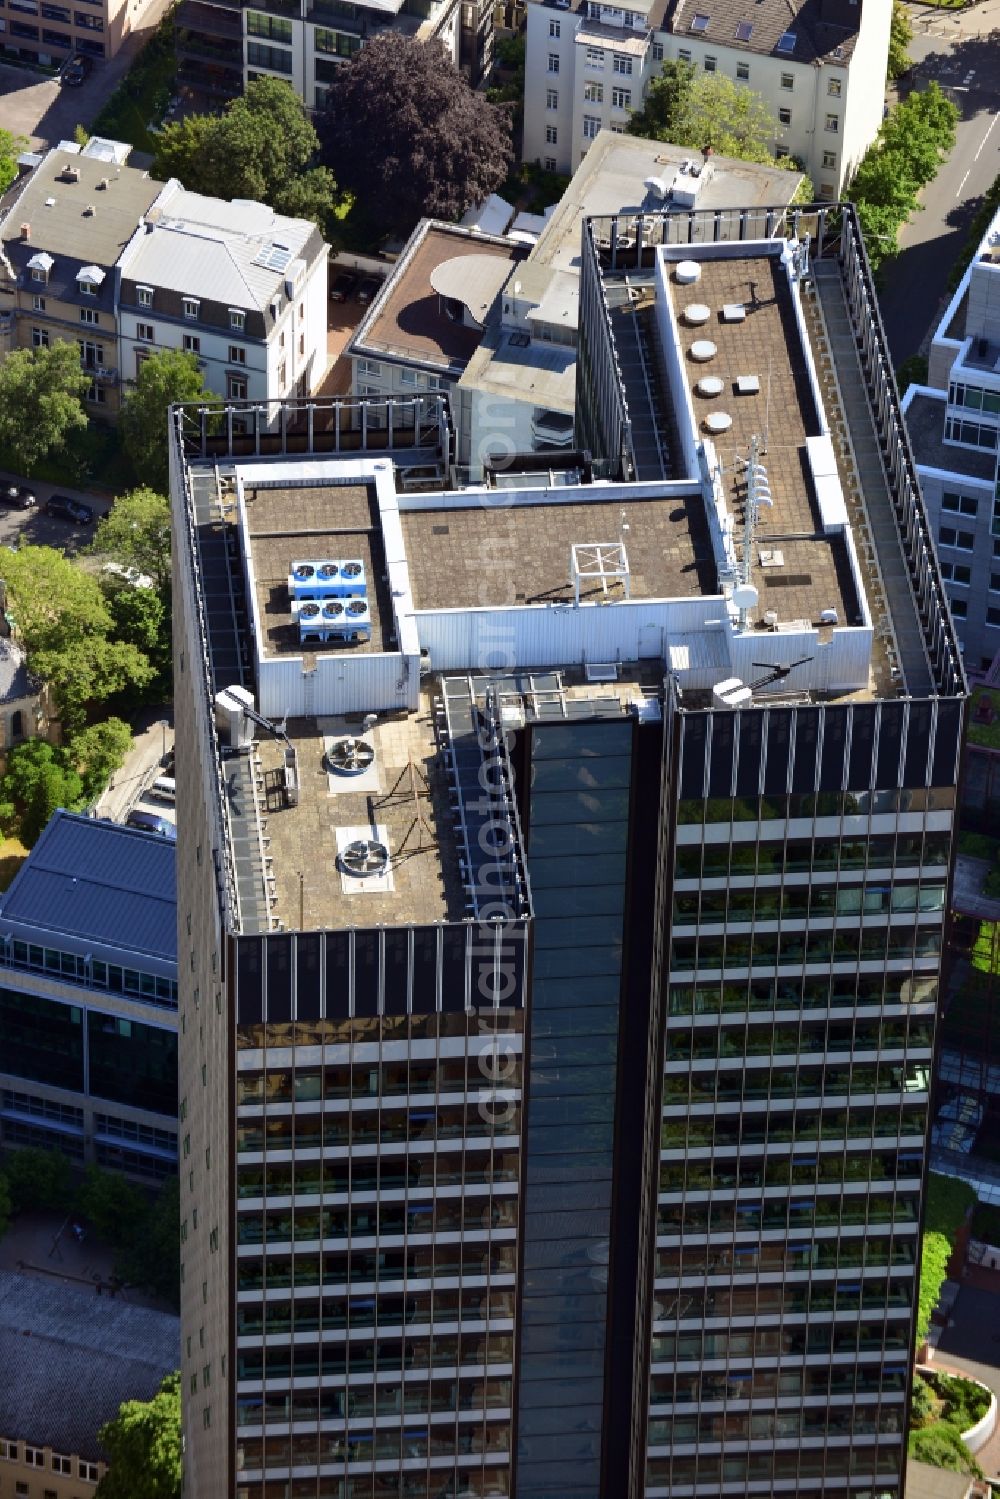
[562,870]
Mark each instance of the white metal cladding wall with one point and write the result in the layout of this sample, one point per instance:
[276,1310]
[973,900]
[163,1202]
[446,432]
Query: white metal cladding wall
[673,361]
[559,635]
[843,663]
[366,682]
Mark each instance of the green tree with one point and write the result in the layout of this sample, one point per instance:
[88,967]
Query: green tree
[111,1204]
[152,1256]
[97,752]
[165,378]
[136,533]
[438,147]
[941,1446]
[11,147]
[900,37]
[41,402]
[143,1443]
[142,618]
[64,621]
[260,148]
[38,1178]
[37,781]
[696,110]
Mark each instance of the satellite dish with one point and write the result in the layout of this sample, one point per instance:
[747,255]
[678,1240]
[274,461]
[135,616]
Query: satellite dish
[745,596]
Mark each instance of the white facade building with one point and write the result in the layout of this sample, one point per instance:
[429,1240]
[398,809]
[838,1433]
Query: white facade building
[954,425]
[588,67]
[236,284]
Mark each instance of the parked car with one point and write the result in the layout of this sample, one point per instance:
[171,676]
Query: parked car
[128,575]
[17,496]
[369,288]
[150,822]
[68,509]
[343,286]
[77,70]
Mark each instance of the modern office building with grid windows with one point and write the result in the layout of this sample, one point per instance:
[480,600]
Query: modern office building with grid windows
[563,868]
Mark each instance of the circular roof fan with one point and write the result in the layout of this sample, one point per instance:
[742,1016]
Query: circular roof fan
[304,570]
[329,570]
[332,610]
[350,757]
[309,611]
[357,606]
[350,569]
[365,856]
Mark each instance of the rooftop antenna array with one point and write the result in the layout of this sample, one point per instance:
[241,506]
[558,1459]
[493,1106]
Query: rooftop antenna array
[758,496]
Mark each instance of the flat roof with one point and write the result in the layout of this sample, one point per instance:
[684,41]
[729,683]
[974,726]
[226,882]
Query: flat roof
[813,572]
[71,1358]
[99,882]
[55,207]
[924,412]
[406,320]
[403,801]
[521,554]
[314,522]
[611,179]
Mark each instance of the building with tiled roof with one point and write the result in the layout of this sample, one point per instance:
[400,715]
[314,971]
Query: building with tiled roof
[820,66]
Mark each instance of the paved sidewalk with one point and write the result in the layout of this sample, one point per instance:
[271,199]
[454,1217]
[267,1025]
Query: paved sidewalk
[149,745]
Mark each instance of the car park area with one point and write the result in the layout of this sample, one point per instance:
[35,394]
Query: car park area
[36,524]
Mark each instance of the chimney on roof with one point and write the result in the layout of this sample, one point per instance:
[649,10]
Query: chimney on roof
[103,184]
[90,211]
[25,231]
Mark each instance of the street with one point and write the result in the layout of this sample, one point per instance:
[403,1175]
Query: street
[38,529]
[968,69]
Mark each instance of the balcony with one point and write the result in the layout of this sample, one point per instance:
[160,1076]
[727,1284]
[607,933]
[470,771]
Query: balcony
[212,82]
[208,20]
[228,54]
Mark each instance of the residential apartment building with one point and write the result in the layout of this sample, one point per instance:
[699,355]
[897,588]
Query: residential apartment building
[236,284]
[222,46]
[954,426]
[44,34]
[563,868]
[88,998]
[156,267]
[70,1359]
[60,244]
[821,69]
[493,319]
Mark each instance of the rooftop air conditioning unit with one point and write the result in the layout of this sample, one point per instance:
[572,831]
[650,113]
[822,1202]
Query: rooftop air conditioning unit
[364,857]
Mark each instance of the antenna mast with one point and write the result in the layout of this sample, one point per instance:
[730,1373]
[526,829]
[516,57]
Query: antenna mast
[758,494]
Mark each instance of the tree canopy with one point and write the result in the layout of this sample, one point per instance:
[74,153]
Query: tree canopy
[136,533]
[11,147]
[261,147]
[98,751]
[697,110]
[68,632]
[436,148]
[900,37]
[906,155]
[41,401]
[143,1443]
[36,782]
[166,377]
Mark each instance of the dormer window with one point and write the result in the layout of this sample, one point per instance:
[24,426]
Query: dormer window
[89,280]
[40,265]
[144,296]
[191,306]
[237,319]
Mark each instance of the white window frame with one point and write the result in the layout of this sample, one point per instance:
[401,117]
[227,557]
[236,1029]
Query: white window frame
[553,62]
[192,344]
[237,319]
[551,135]
[835,88]
[192,307]
[62,1464]
[90,316]
[622,65]
[554,30]
[145,333]
[593,92]
[34,1457]
[594,57]
[551,98]
[621,98]
[144,296]
[8,1450]
[39,338]
[788,82]
[833,124]
[743,72]
[237,354]
[591,126]
[38,303]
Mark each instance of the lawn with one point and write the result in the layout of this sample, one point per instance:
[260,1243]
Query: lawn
[12,855]
[984,730]
[143,93]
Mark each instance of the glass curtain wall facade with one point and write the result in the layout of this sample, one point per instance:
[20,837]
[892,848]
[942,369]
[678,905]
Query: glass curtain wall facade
[810,864]
[377,1191]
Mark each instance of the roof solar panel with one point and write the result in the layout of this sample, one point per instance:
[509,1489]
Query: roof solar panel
[700,22]
[744,31]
